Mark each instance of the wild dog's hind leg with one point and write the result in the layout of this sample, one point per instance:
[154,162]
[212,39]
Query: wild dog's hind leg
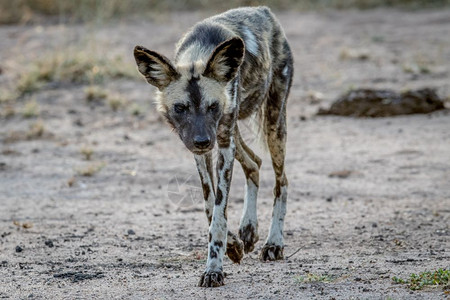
[275,131]
[250,162]
[205,170]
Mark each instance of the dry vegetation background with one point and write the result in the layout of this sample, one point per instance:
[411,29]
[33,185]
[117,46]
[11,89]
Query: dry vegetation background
[85,161]
[88,10]
[82,60]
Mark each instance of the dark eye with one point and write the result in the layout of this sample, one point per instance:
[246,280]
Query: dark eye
[180,108]
[213,106]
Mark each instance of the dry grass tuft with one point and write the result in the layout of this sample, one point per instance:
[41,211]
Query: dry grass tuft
[7,96]
[7,111]
[30,109]
[87,152]
[71,66]
[99,94]
[354,54]
[36,130]
[71,181]
[95,93]
[91,169]
[24,225]
[116,101]
[136,109]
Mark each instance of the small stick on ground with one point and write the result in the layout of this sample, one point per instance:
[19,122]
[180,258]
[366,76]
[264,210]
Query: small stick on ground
[295,252]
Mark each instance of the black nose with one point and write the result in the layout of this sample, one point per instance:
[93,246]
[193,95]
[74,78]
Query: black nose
[202,142]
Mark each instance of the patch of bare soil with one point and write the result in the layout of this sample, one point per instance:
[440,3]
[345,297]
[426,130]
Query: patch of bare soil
[369,199]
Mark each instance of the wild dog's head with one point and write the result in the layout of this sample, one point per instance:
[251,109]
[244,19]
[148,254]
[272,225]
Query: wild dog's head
[193,97]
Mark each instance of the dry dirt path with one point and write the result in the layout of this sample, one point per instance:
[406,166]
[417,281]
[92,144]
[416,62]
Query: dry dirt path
[369,199]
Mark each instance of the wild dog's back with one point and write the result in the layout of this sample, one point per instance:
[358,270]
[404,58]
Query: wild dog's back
[267,52]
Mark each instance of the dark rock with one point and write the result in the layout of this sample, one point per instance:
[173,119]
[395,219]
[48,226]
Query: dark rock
[384,103]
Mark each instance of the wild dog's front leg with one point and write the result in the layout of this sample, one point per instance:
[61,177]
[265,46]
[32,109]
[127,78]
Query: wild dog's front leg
[213,275]
[235,248]
[205,170]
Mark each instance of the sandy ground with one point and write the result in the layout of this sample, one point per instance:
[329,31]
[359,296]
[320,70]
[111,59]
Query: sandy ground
[130,232]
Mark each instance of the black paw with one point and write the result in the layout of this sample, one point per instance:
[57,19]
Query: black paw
[271,252]
[249,235]
[211,279]
[235,248]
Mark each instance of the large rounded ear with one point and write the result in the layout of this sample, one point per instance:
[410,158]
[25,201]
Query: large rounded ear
[156,68]
[225,60]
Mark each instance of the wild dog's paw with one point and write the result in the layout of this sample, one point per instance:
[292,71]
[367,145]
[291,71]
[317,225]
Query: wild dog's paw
[211,279]
[235,248]
[271,252]
[249,235]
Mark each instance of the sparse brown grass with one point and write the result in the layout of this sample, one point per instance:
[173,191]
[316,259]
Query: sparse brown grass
[116,101]
[419,63]
[99,94]
[95,93]
[354,54]
[87,152]
[30,109]
[416,68]
[136,109]
[24,225]
[36,130]
[71,181]
[29,82]
[72,66]
[91,169]
[95,10]
[7,96]
[7,111]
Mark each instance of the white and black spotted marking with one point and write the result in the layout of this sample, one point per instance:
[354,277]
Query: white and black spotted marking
[250,41]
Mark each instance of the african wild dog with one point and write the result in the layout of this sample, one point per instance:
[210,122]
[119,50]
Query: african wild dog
[228,67]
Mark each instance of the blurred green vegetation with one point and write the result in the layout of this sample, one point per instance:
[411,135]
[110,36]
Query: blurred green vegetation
[22,11]
[416,282]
